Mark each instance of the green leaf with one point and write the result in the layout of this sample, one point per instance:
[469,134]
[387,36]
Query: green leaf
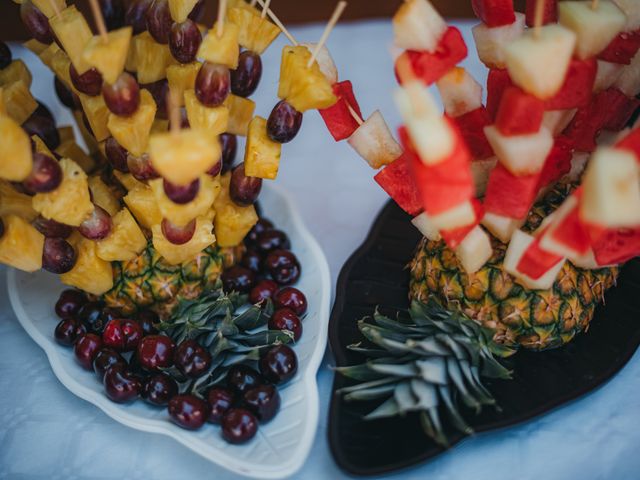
[404,397]
[406,370]
[425,393]
[361,372]
[252,318]
[456,377]
[266,337]
[373,393]
[366,385]
[387,409]
[433,370]
[454,414]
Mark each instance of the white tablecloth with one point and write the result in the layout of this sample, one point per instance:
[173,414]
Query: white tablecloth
[47,432]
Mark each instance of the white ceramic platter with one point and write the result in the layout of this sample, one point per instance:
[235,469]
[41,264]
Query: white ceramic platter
[281,446]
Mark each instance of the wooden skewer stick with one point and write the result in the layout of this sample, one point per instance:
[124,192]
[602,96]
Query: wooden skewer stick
[253,3]
[538,18]
[265,8]
[327,31]
[595,4]
[55,7]
[355,115]
[175,121]
[99,19]
[278,23]
[222,10]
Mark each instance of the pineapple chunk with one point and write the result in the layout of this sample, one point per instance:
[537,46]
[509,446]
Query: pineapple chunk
[128,181]
[213,120]
[304,88]
[70,203]
[460,92]
[13,202]
[240,114]
[224,49]
[594,28]
[539,65]
[182,77]
[73,33]
[262,155]
[181,215]
[521,154]
[160,125]
[151,58]
[517,247]
[103,195]
[133,132]
[232,223]
[18,101]
[177,254]
[180,9]
[109,57]
[66,133]
[21,244]
[418,26]
[373,142]
[125,241]
[181,157]
[97,114]
[491,41]
[15,151]
[70,149]
[41,147]
[60,64]
[475,250]
[325,62]
[90,273]
[143,205]
[16,71]
[87,137]
[46,6]
[46,56]
[35,46]
[254,32]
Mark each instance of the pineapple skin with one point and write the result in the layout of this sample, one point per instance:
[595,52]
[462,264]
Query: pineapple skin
[535,319]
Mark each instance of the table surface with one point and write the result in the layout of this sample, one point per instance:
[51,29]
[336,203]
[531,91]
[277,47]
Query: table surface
[47,432]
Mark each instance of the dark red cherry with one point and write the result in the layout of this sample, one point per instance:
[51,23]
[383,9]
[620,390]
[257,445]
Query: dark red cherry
[188,411]
[220,400]
[261,226]
[192,359]
[92,316]
[263,401]
[279,364]
[68,331]
[239,426]
[270,240]
[159,389]
[86,348]
[283,266]
[264,289]
[252,260]
[155,352]
[69,303]
[238,279]
[121,385]
[122,335]
[104,360]
[89,83]
[286,319]
[292,298]
[241,378]
[244,190]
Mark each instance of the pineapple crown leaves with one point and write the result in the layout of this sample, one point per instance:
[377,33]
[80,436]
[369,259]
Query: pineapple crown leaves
[425,361]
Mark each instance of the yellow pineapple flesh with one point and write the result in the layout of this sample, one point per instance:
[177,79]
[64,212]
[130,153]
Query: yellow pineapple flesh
[15,151]
[41,147]
[128,181]
[212,120]
[262,155]
[151,58]
[89,139]
[35,46]
[90,273]
[70,203]
[66,133]
[181,215]
[18,101]
[182,77]
[232,223]
[47,6]
[223,49]
[180,9]
[240,114]
[21,244]
[103,195]
[178,254]
[14,72]
[97,114]
[109,56]
[255,33]
[125,241]
[46,56]
[143,205]
[70,149]
[132,132]
[13,202]
[73,33]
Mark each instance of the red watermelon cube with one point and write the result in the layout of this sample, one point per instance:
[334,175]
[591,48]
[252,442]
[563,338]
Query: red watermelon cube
[589,121]
[396,179]
[471,126]
[578,86]
[455,236]
[571,233]
[510,195]
[338,118]
[519,113]
[558,162]
[497,82]
[617,109]
[622,48]
[494,13]
[550,12]
[614,245]
[535,261]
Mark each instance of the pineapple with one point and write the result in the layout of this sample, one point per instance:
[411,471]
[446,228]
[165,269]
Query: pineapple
[15,151]
[109,57]
[262,155]
[223,49]
[97,114]
[60,64]
[182,77]
[41,147]
[133,132]
[70,203]
[181,215]
[16,71]
[70,149]
[21,244]
[19,104]
[13,202]
[202,238]
[103,195]
[232,223]
[151,58]
[66,133]
[142,203]
[125,241]
[213,120]
[92,145]
[304,88]
[180,9]
[240,114]
[46,6]
[254,32]
[90,273]
[73,33]
[35,46]
[46,55]
[536,319]
[128,181]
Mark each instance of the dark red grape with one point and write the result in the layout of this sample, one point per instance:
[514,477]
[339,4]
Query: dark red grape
[279,364]
[264,289]
[239,426]
[51,228]
[197,11]
[283,266]
[89,83]
[229,144]
[245,78]
[70,302]
[159,389]
[238,279]
[220,400]
[36,22]
[188,411]
[113,13]
[116,154]
[58,256]
[244,191]
[286,319]
[284,122]
[159,91]
[181,194]
[45,176]
[213,84]
[5,55]
[98,226]
[216,169]
[292,298]
[141,167]
[135,15]
[43,127]
[64,94]
[159,21]
[184,41]
[263,401]
[178,235]
[123,97]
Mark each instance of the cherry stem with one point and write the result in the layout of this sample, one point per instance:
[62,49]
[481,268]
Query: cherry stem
[327,31]
[265,8]
[99,19]
[278,23]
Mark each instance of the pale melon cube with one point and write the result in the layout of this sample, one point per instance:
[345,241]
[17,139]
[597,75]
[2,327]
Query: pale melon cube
[109,57]
[181,215]
[417,25]
[424,223]
[631,8]
[557,120]
[21,244]
[182,77]
[213,120]
[500,226]
[606,75]
[518,245]
[456,217]
[374,142]
[491,42]
[628,82]
[460,92]
[474,250]
[133,132]
[223,49]
[125,241]
[325,62]
[74,33]
[521,154]
[177,254]
[15,151]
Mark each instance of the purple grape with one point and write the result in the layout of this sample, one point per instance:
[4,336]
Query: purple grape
[43,127]
[5,55]
[229,144]
[123,97]
[36,22]
[51,228]
[58,256]
[45,176]
[178,235]
[159,21]
[184,41]
[1,228]
[89,83]
[181,194]
[213,84]
[244,191]
[64,94]
[245,78]
[159,91]
[97,226]
[113,13]
[116,155]
[135,15]
[197,11]
[216,169]
[141,167]
[284,122]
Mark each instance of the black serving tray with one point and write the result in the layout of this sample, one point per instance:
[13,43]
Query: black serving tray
[376,275]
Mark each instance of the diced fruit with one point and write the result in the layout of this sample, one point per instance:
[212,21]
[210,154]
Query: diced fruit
[521,154]
[338,117]
[90,273]
[73,33]
[103,195]
[500,226]
[539,64]
[558,162]
[566,235]
[460,92]
[14,203]
[631,10]
[453,237]
[132,132]
[254,33]
[19,104]
[66,133]
[15,151]
[262,155]
[497,82]
[519,113]
[615,246]
[396,179]
[143,205]
[21,244]
[223,49]
[97,115]
[47,6]
[510,195]
[491,42]
[594,27]
[240,114]
[622,48]
[471,126]
[631,142]
[620,111]
[589,120]
[35,46]
[181,215]
[232,223]
[373,142]
[628,81]
[606,75]
[480,170]
[213,120]
[494,13]
[557,120]
[90,141]
[549,15]
[578,86]
[151,58]
[325,62]
[423,223]
[70,202]
[181,78]
[109,57]
[70,149]
[536,262]
[16,71]
[456,217]
[181,157]
[475,250]
[418,26]
[128,181]
[304,88]
[177,254]
[125,241]
[611,195]
[180,9]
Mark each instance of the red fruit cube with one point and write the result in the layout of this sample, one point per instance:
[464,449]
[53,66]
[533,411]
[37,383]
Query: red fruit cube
[631,142]
[578,86]
[590,120]
[454,237]
[571,233]
[614,245]
[622,48]
[494,13]
[519,112]
[510,195]
[558,162]
[338,118]
[550,12]
[618,109]
[535,261]
[396,179]
[497,82]
[430,66]
[471,126]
